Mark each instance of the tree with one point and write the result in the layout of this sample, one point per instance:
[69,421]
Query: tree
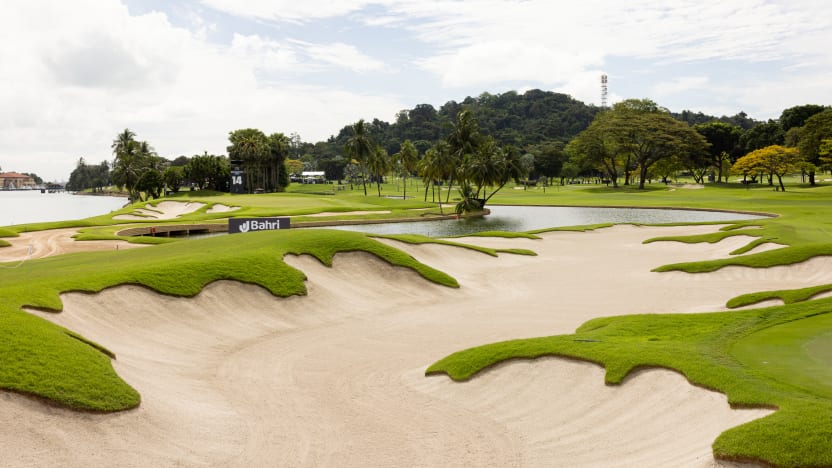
[333,168]
[131,159]
[151,183]
[796,116]
[526,166]
[724,142]
[762,135]
[408,158]
[638,132]
[488,165]
[251,147]
[462,142]
[777,160]
[173,177]
[548,158]
[825,153]
[431,167]
[360,148]
[378,165]
[597,147]
[816,129]
[278,147]
[208,171]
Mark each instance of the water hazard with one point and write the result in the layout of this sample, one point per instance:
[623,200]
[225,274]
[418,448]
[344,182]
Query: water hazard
[32,206]
[528,218]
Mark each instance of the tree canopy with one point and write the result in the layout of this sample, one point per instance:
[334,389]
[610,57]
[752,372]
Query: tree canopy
[635,134]
[777,160]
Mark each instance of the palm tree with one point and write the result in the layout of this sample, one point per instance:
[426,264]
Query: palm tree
[360,148]
[379,164]
[128,163]
[408,157]
[250,146]
[463,141]
[427,171]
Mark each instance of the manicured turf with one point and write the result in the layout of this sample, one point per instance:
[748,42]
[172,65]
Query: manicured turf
[797,353]
[775,357]
[720,351]
[788,296]
[420,239]
[42,359]
[702,347]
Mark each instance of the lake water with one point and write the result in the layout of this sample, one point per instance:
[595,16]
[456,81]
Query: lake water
[31,206]
[528,218]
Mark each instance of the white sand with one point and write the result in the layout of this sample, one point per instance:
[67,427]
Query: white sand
[161,211]
[236,377]
[220,208]
[53,242]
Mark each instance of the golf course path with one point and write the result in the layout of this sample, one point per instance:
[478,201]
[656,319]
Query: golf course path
[237,377]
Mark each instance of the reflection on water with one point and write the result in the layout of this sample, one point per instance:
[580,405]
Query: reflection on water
[31,206]
[528,218]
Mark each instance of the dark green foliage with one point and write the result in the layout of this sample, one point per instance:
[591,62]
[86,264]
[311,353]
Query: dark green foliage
[89,177]
[208,172]
[796,116]
[762,135]
[174,176]
[151,183]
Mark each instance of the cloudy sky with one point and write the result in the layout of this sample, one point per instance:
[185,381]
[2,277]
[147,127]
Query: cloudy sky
[183,73]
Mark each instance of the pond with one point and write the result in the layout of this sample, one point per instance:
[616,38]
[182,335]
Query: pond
[528,218]
[32,206]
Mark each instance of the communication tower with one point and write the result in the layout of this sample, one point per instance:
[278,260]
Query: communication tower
[604,91]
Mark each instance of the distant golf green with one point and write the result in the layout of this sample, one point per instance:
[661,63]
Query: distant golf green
[797,353]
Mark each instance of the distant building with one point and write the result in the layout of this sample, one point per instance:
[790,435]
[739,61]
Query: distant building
[15,181]
[312,177]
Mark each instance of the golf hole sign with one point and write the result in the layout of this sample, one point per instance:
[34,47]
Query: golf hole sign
[237,225]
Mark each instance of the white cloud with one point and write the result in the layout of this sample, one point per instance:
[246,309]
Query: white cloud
[680,85]
[287,10]
[75,73]
[340,55]
[75,76]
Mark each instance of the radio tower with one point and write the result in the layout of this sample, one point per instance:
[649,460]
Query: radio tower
[604,91]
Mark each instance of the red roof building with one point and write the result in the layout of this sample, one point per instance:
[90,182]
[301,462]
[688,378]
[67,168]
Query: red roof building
[14,180]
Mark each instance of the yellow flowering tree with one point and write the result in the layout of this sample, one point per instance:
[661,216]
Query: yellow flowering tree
[775,160]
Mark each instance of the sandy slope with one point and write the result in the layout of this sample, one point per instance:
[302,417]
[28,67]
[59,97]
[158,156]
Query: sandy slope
[163,211]
[236,377]
[53,242]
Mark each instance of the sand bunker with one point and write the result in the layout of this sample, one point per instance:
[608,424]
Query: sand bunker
[220,208]
[236,377]
[163,210]
[53,242]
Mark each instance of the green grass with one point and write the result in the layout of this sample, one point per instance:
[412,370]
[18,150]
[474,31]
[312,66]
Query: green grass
[702,347]
[41,359]
[418,239]
[788,296]
[721,351]
[503,234]
[774,357]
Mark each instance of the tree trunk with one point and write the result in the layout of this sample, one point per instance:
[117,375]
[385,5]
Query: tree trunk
[780,180]
[364,178]
[812,178]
